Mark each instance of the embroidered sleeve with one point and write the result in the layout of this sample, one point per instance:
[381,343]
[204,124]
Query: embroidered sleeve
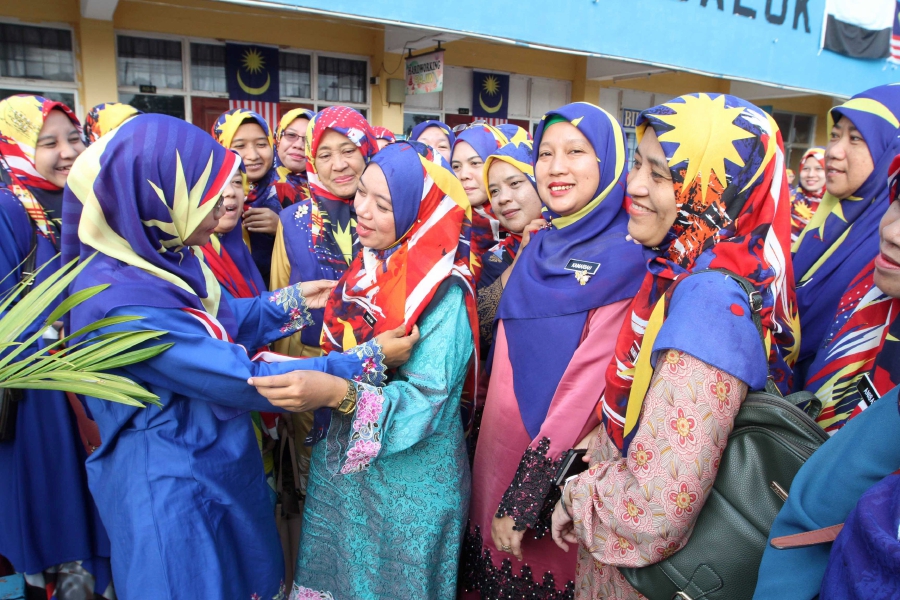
[372,359]
[636,510]
[488,301]
[530,498]
[292,302]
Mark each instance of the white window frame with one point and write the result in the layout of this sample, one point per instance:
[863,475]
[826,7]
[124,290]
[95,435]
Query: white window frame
[188,92]
[49,85]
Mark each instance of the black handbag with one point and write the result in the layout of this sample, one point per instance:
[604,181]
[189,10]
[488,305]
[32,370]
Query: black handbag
[771,439]
[10,397]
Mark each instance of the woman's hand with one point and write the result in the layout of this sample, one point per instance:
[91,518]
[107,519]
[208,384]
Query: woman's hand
[317,292]
[301,391]
[562,527]
[507,539]
[260,220]
[397,346]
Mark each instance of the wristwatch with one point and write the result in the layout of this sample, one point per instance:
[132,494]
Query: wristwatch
[348,402]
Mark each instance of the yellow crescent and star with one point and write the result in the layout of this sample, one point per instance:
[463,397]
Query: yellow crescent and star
[491,87]
[253,61]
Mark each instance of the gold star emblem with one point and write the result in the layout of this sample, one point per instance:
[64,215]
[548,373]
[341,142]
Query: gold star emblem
[253,61]
[491,85]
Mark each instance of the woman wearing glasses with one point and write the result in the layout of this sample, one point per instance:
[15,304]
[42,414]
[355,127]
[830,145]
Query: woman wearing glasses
[290,149]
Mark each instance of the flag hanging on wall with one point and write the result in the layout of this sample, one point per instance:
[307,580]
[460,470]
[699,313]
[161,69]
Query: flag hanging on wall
[859,28]
[490,95]
[252,75]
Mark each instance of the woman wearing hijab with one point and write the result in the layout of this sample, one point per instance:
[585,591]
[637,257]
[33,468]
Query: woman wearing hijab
[707,190]
[103,118]
[248,134]
[389,484]
[859,364]
[436,134]
[841,238]
[49,530]
[512,192]
[384,136]
[290,149]
[805,198]
[569,289]
[180,488]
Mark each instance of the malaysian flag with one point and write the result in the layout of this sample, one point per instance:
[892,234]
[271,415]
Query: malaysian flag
[267,110]
[895,36]
[252,73]
[495,122]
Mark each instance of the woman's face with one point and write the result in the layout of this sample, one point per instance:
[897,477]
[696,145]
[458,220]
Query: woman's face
[251,142]
[232,203]
[437,139]
[58,145]
[848,162]
[201,235]
[468,168]
[651,194]
[374,210]
[887,263]
[292,145]
[339,163]
[566,169]
[513,199]
[812,175]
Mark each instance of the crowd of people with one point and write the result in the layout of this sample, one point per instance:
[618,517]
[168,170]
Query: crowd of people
[438,322]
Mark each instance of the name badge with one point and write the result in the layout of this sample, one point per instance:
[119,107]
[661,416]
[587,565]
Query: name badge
[368,318]
[583,269]
[867,390]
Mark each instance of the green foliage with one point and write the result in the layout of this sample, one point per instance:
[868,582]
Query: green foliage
[67,365]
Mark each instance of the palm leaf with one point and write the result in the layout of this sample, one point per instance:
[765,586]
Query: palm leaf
[69,365]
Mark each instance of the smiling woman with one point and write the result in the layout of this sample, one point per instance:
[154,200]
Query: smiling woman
[42,468]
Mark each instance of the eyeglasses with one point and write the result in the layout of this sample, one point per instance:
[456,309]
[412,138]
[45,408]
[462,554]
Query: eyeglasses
[464,126]
[291,137]
[220,206]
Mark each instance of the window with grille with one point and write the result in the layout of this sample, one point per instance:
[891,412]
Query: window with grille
[208,68]
[799,134]
[148,61]
[295,75]
[342,80]
[36,53]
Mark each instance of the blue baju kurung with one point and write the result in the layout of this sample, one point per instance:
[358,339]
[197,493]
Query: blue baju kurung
[181,489]
[389,486]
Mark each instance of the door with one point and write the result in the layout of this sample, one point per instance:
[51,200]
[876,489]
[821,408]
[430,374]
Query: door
[205,111]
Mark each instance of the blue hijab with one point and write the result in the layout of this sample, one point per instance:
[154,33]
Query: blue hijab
[544,306]
[842,237]
[421,127]
[144,188]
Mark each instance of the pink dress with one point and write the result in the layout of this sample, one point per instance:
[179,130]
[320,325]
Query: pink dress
[513,472]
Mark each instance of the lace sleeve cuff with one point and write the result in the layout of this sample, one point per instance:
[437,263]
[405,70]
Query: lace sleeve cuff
[371,358]
[530,498]
[292,302]
[363,427]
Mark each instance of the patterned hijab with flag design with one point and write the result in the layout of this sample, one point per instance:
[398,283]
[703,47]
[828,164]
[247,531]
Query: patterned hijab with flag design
[383,133]
[804,203]
[842,236]
[421,127]
[726,158]
[520,155]
[545,304]
[144,188]
[333,219]
[862,342]
[103,118]
[21,120]
[485,140]
[285,175]
[393,286]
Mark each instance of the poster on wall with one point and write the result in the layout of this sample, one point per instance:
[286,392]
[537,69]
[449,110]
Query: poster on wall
[425,73]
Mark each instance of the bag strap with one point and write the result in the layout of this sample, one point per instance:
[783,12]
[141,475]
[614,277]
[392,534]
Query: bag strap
[826,535]
[28,265]
[755,300]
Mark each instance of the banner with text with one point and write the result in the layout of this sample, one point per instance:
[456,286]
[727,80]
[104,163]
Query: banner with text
[425,73]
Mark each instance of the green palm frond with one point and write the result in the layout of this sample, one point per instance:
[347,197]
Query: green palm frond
[67,365]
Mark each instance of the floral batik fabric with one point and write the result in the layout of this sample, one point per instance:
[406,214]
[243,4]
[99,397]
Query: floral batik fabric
[103,118]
